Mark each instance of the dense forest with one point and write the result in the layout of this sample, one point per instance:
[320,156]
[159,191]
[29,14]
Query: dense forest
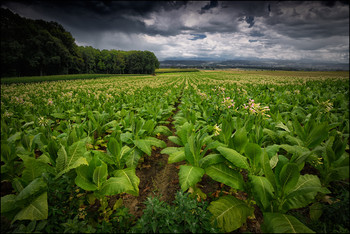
[36,47]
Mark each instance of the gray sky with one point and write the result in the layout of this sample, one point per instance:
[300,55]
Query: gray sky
[222,30]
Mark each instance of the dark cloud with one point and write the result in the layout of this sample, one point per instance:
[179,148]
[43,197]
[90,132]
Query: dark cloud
[207,7]
[261,27]
[250,21]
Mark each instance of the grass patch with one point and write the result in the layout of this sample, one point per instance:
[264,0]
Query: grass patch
[33,79]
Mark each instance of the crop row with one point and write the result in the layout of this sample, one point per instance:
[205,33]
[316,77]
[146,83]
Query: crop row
[258,133]
[258,138]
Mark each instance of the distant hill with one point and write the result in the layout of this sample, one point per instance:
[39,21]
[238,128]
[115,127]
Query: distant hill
[255,64]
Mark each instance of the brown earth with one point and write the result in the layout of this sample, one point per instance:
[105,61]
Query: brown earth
[157,177]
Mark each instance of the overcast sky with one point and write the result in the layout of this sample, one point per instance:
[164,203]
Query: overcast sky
[204,29]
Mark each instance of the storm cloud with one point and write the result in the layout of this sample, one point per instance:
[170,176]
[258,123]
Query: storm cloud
[217,29]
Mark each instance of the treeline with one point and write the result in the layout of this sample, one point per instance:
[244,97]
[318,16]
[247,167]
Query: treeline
[37,47]
[117,62]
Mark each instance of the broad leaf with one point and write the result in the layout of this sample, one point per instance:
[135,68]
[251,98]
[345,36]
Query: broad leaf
[267,169]
[240,140]
[253,152]
[100,174]
[163,130]
[155,142]
[8,203]
[262,190]
[130,179]
[234,157]
[33,168]
[176,140]
[177,156]
[210,160]
[223,174]
[84,179]
[289,177]
[36,210]
[282,223]
[73,159]
[272,150]
[189,176]
[36,186]
[306,184]
[143,145]
[114,147]
[317,135]
[282,126]
[133,158]
[229,213]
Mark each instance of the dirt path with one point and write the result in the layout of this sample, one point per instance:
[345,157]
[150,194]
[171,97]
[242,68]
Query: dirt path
[157,177]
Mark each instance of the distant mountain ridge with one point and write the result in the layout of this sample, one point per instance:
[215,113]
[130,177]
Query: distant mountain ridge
[269,64]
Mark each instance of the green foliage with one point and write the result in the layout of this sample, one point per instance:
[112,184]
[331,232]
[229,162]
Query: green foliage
[282,223]
[185,215]
[229,213]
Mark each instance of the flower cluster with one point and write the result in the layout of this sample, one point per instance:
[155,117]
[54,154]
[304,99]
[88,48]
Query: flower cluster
[109,96]
[202,95]
[297,91]
[42,121]
[327,105]
[49,102]
[227,102]
[217,130]
[220,90]
[255,108]
[8,114]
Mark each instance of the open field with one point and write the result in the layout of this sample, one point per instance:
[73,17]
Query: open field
[219,151]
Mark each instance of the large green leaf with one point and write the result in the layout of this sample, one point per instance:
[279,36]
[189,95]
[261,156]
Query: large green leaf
[163,130]
[133,158]
[84,179]
[15,137]
[189,176]
[234,157]
[289,177]
[100,174]
[223,174]
[176,154]
[115,186]
[306,184]
[8,203]
[267,169]
[282,223]
[272,150]
[282,126]
[317,135]
[176,140]
[33,168]
[229,213]
[240,140]
[155,142]
[36,186]
[73,159]
[184,132]
[210,160]
[114,147]
[36,210]
[262,190]
[298,201]
[130,179]
[253,152]
[143,145]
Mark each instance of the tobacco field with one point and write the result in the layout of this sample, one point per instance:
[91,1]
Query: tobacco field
[207,151]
